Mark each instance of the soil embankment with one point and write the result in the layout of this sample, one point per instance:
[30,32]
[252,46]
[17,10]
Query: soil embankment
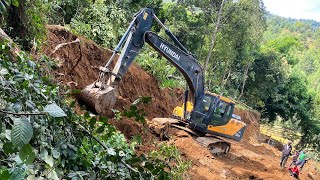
[78,66]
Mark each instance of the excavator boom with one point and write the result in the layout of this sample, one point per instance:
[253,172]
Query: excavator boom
[137,33]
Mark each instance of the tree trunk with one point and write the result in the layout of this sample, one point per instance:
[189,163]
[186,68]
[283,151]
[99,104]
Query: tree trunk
[225,80]
[14,50]
[213,39]
[245,76]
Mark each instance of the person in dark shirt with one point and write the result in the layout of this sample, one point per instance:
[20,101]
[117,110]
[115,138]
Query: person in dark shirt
[286,152]
[294,158]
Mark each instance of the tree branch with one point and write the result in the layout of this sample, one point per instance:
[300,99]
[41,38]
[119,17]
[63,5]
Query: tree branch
[213,39]
[23,114]
[64,44]
[79,59]
[14,50]
[105,147]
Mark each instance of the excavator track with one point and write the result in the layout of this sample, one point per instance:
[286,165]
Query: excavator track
[214,144]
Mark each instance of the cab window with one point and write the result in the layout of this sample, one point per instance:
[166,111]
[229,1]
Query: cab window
[205,105]
[221,110]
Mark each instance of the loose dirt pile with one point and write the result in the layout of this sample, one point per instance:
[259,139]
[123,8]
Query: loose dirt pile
[244,161]
[251,118]
[78,67]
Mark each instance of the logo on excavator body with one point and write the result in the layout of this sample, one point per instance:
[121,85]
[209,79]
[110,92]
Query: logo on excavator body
[145,15]
[169,51]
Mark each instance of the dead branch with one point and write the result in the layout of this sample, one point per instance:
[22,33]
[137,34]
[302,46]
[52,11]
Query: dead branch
[79,59]
[22,114]
[64,44]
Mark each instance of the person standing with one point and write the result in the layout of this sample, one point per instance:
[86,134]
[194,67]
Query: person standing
[286,152]
[302,159]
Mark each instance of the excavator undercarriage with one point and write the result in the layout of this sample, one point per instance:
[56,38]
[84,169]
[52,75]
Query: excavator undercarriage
[162,127]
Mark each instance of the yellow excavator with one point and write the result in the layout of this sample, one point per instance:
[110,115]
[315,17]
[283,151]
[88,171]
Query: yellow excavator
[210,114]
[234,129]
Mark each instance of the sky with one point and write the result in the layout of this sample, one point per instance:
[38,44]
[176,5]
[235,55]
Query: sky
[298,9]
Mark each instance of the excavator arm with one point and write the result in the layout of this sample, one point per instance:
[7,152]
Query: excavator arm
[139,33]
[186,63]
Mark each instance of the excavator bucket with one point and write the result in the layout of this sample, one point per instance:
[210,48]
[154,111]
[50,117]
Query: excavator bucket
[161,126]
[96,99]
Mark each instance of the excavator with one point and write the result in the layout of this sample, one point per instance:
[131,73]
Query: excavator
[209,112]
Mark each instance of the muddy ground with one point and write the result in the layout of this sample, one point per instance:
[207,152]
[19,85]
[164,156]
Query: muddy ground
[78,65]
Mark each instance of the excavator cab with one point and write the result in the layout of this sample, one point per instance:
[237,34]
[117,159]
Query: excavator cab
[211,110]
[213,114]
[222,109]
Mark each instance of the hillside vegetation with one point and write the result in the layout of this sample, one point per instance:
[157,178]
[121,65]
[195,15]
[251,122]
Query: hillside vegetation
[268,62]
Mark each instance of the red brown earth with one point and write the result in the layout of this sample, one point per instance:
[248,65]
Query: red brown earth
[78,67]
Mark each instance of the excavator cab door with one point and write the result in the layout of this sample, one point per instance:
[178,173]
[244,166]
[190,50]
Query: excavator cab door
[210,110]
[220,114]
[202,112]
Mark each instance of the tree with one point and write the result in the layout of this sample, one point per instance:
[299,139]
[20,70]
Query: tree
[213,38]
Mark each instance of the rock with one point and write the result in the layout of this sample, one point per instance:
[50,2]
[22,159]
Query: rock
[311,176]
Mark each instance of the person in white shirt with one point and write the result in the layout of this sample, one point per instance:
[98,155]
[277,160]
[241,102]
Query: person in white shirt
[286,152]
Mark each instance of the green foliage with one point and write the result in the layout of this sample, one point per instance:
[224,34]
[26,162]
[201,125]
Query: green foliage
[25,22]
[101,23]
[62,11]
[295,43]
[266,79]
[159,67]
[41,136]
[21,132]
[135,112]
[27,155]
[4,4]
[171,156]
[54,110]
[283,44]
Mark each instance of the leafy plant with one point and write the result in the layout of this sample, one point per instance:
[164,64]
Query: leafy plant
[135,112]
[24,21]
[172,157]
[6,3]
[41,137]
[101,23]
[165,72]
[62,11]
